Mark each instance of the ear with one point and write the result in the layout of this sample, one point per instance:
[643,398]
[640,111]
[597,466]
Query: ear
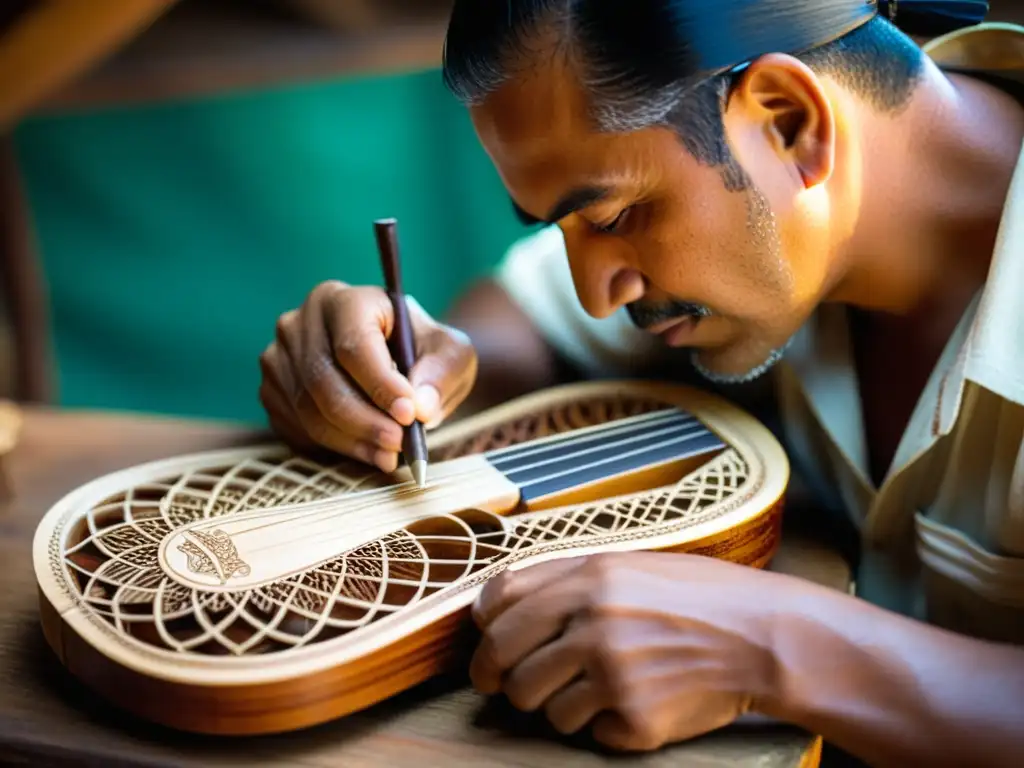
[779,100]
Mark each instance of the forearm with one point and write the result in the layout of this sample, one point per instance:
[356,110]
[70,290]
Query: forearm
[513,358]
[895,692]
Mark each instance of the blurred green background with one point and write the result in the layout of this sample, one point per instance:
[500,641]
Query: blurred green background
[173,235]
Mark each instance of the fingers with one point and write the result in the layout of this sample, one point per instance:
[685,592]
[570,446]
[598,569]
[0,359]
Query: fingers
[357,323]
[296,419]
[277,394]
[326,404]
[544,672]
[347,368]
[554,678]
[573,707]
[525,623]
[329,378]
[613,730]
[326,434]
[511,586]
[360,320]
[281,415]
[444,373]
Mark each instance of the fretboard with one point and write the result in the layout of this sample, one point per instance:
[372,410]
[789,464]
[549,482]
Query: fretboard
[601,453]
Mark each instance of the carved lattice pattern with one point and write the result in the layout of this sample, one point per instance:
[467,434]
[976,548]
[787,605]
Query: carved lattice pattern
[111,560]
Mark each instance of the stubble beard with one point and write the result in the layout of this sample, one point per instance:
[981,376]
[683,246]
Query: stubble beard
[764,237]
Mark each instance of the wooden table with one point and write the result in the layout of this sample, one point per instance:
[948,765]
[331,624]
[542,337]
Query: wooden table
[46,718]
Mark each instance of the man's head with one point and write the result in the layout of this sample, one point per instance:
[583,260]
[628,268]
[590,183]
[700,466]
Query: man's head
[701,158]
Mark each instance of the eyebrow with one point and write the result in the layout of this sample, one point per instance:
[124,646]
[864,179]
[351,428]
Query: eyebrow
[571,202]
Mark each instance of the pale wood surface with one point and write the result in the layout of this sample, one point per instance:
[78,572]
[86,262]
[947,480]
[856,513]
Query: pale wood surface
[47,718]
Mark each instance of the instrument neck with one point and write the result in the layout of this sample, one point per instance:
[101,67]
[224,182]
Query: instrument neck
[552,466]
[252,548]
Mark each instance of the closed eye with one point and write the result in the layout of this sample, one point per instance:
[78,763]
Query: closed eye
[615,224]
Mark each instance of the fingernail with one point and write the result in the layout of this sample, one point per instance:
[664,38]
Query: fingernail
[435,422]
[428,401]
[386,460]
[403,410]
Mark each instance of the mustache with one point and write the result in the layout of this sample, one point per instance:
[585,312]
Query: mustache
[644,315]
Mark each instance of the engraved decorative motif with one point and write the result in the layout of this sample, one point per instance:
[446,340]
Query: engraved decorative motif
[110,559]
[224,562]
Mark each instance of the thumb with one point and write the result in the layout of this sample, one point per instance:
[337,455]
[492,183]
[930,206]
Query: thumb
[443,375]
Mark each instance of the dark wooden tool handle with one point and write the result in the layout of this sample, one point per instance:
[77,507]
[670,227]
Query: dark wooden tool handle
[386,231]
[401,342]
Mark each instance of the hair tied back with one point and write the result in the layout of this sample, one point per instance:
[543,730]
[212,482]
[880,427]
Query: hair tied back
[930,18]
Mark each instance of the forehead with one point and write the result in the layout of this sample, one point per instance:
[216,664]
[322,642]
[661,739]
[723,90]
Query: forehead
[539,134]
[534,120]
[542,103]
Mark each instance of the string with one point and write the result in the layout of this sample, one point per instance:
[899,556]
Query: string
[602,447]
[367,499]
[399,515]
[328,506]
[563,457]
[393,519]
[307,514]
[592,465]
[585,434]
[418,501]
[370,497]
[575,470]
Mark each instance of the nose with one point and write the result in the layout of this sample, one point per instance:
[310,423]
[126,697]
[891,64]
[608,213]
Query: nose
[603,273]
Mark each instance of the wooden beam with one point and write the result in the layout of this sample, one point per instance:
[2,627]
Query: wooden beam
[204,49]
[55,42]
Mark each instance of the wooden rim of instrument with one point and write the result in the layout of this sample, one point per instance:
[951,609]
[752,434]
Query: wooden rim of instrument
[68,621]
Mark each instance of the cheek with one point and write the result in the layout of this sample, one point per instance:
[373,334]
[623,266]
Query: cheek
[713,255]
[798,220]
[805,245]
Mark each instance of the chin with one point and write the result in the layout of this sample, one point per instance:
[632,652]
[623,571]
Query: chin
[729,366]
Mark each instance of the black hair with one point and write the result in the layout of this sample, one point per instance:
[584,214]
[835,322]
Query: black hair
[672,62]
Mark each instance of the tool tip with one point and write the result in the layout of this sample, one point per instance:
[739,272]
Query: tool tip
[419,472]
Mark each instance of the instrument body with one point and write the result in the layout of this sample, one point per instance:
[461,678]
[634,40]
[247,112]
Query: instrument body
[253,591]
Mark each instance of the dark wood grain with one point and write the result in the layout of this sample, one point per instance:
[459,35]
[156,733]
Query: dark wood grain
[48,718]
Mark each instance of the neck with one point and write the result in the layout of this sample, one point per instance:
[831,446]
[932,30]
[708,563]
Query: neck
[934,181]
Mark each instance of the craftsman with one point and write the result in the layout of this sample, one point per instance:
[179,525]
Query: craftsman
[790,199]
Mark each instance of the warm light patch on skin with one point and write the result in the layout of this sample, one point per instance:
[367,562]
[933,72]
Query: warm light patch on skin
[758,259]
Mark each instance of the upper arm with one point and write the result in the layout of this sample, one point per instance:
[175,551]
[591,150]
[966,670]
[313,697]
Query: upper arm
[513,358]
